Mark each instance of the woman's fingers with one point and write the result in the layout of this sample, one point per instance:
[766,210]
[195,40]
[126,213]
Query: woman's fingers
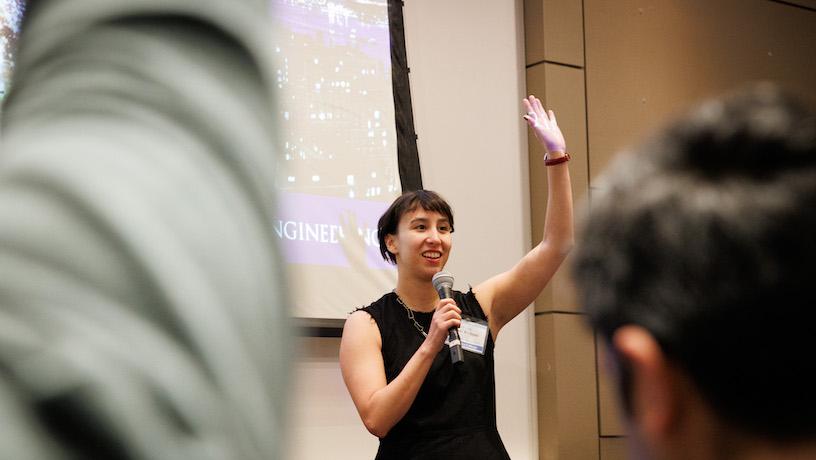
[447,314]
[533,104]
[539,107]
[544,124]
[527,106]
[444,304]
[531,115]
[452,322]
[535,109]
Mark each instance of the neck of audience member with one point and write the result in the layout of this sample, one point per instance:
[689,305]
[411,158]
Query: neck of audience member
[760,449]
[711,439]
[693,430]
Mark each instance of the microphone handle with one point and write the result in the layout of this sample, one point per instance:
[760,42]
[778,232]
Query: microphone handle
[455,346]
[453,333]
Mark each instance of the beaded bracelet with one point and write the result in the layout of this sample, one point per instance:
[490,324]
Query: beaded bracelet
[556,161]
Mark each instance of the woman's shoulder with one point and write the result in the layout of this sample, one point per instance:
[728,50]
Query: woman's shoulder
[375,314]
[376,308]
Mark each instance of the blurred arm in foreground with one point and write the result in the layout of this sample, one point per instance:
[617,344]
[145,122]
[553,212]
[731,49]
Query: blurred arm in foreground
[141,308]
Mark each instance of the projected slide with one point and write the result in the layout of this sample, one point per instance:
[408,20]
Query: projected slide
[338,162]
[11,13]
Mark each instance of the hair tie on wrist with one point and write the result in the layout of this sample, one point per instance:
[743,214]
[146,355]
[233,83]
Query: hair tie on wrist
[556,161]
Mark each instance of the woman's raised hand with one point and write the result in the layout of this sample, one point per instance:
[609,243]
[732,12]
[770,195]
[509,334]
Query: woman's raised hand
[544,125]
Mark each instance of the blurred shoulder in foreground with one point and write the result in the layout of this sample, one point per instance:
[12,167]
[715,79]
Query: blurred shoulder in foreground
[141,302]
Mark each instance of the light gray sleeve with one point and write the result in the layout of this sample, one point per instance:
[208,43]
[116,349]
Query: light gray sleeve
[142,310]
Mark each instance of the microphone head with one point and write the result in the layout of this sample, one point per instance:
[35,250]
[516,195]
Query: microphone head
[442,280]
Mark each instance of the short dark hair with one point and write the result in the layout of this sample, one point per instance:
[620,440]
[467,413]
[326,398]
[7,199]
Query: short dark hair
[407,202]
[706,237]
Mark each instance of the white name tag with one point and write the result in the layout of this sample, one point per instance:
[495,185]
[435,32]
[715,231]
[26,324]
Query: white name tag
[473,334]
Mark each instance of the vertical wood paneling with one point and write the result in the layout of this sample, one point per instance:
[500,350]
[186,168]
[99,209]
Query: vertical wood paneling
[534,31]
[567,401]
[614,449]
[562,90]
[609,408]
[647,60]
[553,31]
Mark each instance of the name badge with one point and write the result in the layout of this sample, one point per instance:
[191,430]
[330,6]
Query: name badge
[473,334]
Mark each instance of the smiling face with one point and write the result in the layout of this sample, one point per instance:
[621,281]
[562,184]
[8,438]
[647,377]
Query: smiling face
[422,243]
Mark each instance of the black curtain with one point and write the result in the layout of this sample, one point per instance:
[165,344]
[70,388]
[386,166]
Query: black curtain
[407,154]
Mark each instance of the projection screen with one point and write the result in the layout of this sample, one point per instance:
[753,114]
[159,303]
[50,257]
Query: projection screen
[338,158]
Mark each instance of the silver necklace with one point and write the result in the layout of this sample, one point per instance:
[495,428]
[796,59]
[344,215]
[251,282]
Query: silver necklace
[411,316]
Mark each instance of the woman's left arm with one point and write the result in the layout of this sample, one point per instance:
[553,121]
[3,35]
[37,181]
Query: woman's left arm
[507,294]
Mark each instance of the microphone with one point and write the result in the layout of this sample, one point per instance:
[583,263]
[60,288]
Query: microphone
[443,283]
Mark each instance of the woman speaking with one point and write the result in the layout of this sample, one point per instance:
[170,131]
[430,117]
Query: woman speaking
[395,355]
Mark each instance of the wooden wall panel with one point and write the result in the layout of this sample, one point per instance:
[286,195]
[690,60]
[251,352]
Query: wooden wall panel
[534,31]
[805,3]
[567,394]
[646,60]
[609,407]
[554,31]
[546,386]
[614,449]
[561,89]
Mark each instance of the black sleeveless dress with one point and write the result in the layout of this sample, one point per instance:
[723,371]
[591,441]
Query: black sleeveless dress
[454,413]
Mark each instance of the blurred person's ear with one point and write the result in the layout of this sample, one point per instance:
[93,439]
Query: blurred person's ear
[654,390]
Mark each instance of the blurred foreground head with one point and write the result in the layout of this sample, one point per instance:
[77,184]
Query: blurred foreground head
[141,305]
[695,266]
